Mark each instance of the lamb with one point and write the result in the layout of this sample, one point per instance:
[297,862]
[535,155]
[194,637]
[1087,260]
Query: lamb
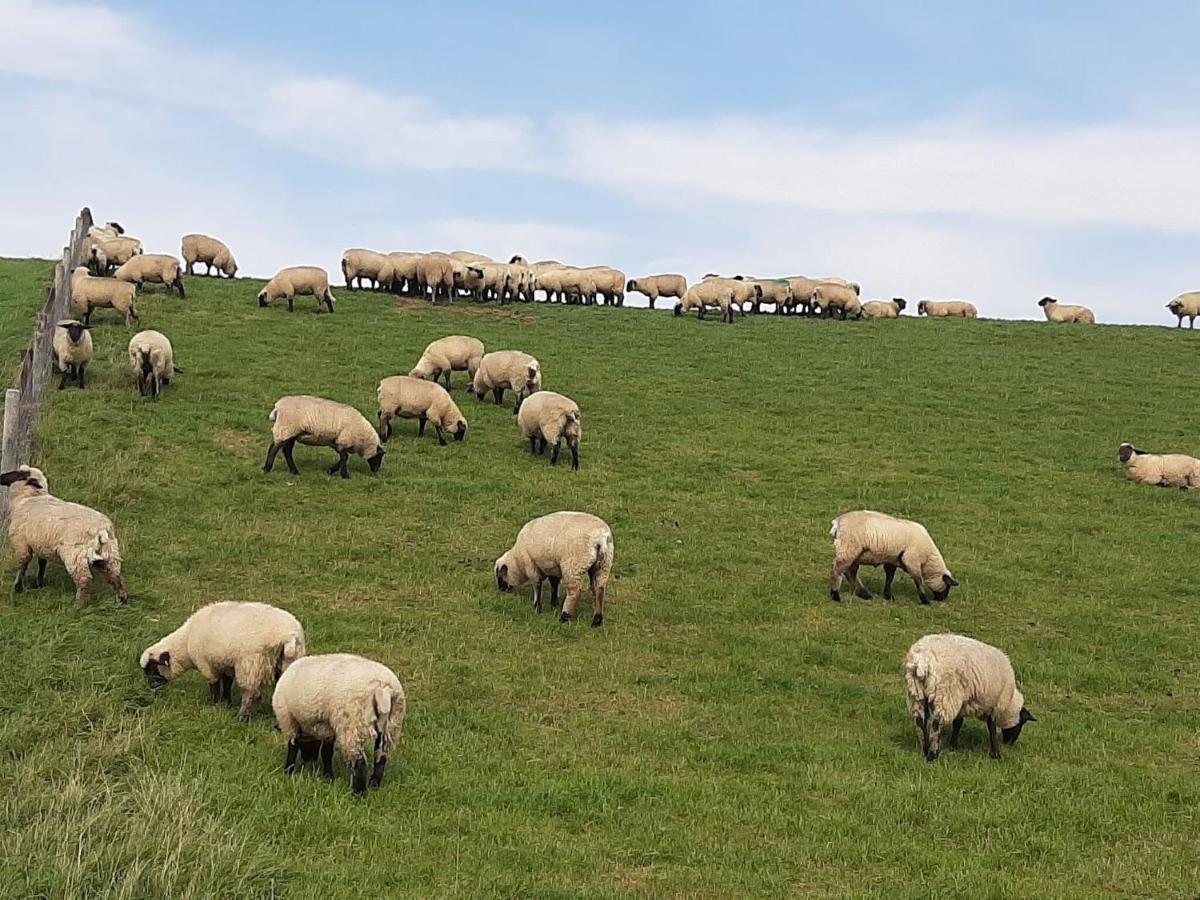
[1186,305]
[250,643]
[152,361]
[298,280]
[456,353]
[1062,312]
[322,423]
[375,267]
[884,309]
[562,546]
[208,250]
[948,677]
[942,309]
[551,418]
[507,369]
[711,292]
[89,292]
[866,538]
[1161,470]
[72,344]
[79,537]
[153,268]
[655,286]
[412,398]
[339,700]
[838,298]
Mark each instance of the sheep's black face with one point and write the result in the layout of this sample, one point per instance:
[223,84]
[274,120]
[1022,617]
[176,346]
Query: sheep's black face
[461,431]
[502,579]
[377,460]
[153,670]
[900,302]
[1125,452]
[948,582]
[75,331]
[1010,735]
[678,310]
[629,286]
[1046,300]
[262,298]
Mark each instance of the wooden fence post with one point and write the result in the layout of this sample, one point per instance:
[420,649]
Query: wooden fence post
[8,449]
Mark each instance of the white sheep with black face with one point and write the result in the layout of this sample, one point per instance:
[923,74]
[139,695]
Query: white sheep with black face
[318,422]
[504,370]
[1063,312]
[294,280]
[1186,306]
[1160,469]
[867,538]
[73,350]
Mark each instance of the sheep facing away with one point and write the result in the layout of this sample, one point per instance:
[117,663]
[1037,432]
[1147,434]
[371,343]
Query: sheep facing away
[562,546]
[1187,306]
[867,538]
[1062,312]
[710,292]
[367,265]
[72,344]
[152,268]
[252,644]
[89,293]
[294,280]
[152,361]
[948,677]
[456,353]
[216,256]
[342,701]
[318,422]
[77,536]
[655,286]
[551,418]
[503,370]
[413,398]
[1161,470]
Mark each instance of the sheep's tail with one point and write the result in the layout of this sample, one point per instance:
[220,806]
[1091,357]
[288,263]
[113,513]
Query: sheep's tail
[604,551]
[274,413]
[916,670]
[289,651]
[388,705]
[834,528]
[102,549]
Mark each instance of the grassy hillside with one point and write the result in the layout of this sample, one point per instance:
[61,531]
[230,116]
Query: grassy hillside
[729,731]
[22,293]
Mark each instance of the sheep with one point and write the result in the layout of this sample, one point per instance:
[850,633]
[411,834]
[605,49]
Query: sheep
[507,369]
[555,280]
[250,643]
[866,538]
[89,292]
[208,250]
[468,257]
[72,344]
[108,230]
[607,282]
[404,271]
[322,423]
[497,280]
[563,546]
[298,280]
[435,276]
[456,353]
[655,286]
[1188,305]
[412,398]
[1062,312]
[153,268]
[942,309]
[469,277]
[950,676]
[103,254]
[77,536]
[711,292]
[838,298]
[853,285]
[884,309]
[802,290]
[1161,470]
[551,417]
[375,267]
[152,361]
[775,291]
[339,700]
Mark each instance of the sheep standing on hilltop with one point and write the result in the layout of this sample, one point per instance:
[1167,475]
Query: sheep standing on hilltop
[655,286]
[294,280]
[200,248]
[1062,312]
[152,268]
[375,267]
[1187,306]
[710,292]
[867,538]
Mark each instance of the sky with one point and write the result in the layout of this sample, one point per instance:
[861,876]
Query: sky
[990,152]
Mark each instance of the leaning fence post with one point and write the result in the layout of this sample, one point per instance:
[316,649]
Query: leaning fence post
[9,448]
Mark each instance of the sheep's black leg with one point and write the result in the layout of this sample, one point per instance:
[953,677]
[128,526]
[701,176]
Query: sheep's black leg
[954,729]
[554,601]
[271,453]
[214,690]
[889,573]
[575,457]
[287,455]
[860,590]
[380,764]
[290,763]
[227,687]
[309,749]
[79,373]
[327,760]
[343,463]
[19,583]
[62,382]
[537,596]
[935,738]
[359,777]
[291,303]
[533,444]
[440,436]
[41,576]
[517,405]
[498,395]
[421,420]
[554,452]
[993,739]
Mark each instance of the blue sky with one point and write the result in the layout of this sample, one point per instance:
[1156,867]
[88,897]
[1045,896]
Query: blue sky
[995,153]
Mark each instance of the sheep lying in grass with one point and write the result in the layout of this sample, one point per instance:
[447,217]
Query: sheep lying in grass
[200,248]
[563,546]
[250,643]
[89,293]
[949,676]
[294,280]
[551,418]
[1186,306]
[72,344]
[884,309]
[152,361]
[152,268]
[866,538]
[1160,470]
[342,701]
[1062,312]
[507,370]
[457,353]
[947,309]
[412,398]
[77,536]
[322,423]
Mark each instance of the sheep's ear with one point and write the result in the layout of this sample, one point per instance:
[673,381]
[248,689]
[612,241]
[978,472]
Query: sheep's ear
[504,570]
[950,580]
[1027,716]
[165,659]
[12,477]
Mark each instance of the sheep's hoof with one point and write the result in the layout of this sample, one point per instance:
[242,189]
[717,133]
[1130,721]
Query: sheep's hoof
[565,617]
[925,601]
[18,586]
[835,596]
[597,620]
[863,594]
[932,756]
[243,717]
[890,597]
[537,606]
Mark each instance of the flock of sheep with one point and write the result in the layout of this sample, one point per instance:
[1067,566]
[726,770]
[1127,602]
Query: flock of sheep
[345,702]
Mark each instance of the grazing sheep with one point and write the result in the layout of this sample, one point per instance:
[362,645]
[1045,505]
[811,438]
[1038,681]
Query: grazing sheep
[322,423]
[103,253]
[152,361]
[839,299]
[742,292]
[775,291]
[72,344]
[404,271]
[655,286]
[89,292]
[802,289]
[563,546]
[507,369]
[412,398]
[106,231]
[75,535]
[551,418]
[375,267]
[152,268]
[342,701]
[456,353]
[866,538]
[1186,305]
[250,643]
[435,276]
[947,309]
[833,279]
[948,677]
[884,309]
[1062,312]
[608,283]
[710,292]
[1161,470]
[200,248]
[295,280]
[555,279]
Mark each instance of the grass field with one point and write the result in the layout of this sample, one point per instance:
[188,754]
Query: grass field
[729,731]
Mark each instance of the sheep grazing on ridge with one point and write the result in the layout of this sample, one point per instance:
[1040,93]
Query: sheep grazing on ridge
[1160,470]
[435,276]
[839,299]
[342,701]
[563,546]
[318,422]
[1186,306]
[250,643]
[866,538]
[884,309]
[468,257]
[152,268]
[413,398]
[152,361]
[947,309]
[89,292]
[551,418]
[106,231]
[200,248]
[948,677]
[507,370]
[404,271]
[294,280]
[72,344]
[77,536]
[655,286]
[802,289]
[608,283]
[1062,312]
[375,267]
[776,291]
[710,292]
[456,353]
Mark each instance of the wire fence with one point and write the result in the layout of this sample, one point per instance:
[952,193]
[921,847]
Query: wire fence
[23,400]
